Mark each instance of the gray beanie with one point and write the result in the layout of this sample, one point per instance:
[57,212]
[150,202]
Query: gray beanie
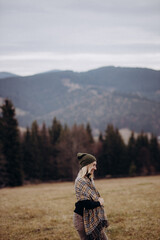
[85,159]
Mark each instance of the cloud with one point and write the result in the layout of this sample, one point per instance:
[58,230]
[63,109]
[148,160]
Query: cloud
[49,30]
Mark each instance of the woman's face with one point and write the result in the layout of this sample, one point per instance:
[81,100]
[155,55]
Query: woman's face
[93,167]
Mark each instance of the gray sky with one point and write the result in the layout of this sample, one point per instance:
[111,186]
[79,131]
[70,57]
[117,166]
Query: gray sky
[42,35]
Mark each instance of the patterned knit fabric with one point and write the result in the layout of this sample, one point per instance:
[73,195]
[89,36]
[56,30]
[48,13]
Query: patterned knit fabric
[94,219]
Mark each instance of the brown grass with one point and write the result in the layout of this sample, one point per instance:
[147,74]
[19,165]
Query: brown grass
[45,211]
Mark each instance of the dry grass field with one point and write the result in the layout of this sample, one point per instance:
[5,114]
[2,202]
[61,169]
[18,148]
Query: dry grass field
[44,211]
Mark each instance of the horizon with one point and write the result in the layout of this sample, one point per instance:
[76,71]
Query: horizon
[63,70]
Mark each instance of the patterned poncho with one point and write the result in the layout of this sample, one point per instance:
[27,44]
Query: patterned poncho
[94,219]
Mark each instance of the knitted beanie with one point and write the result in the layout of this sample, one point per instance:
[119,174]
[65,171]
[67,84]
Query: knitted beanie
[85,159]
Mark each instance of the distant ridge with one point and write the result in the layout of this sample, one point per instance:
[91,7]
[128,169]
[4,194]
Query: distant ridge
[7,75]
[126,97]
[50,71]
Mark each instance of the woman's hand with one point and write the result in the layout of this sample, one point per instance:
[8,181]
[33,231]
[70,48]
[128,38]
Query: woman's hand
[101,200]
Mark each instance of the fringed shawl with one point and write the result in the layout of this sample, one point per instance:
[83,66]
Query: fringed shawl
[94,219]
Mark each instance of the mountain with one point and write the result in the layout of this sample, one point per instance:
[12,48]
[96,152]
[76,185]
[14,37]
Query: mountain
[126,97]
[7,75]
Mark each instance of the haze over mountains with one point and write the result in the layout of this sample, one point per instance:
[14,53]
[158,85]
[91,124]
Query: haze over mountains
[125,97]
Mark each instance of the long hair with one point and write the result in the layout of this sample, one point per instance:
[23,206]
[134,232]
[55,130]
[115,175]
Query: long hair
[86,170]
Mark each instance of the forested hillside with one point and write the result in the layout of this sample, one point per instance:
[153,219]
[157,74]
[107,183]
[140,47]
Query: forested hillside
[124,97]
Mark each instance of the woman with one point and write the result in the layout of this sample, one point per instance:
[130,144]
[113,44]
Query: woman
[89,216]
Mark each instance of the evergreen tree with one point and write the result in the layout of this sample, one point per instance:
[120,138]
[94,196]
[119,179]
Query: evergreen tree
[89,132]
[47,160]
[113,158]
[121,151]
[131,155]
[142,161]
[64,156]
[28,166]
[155,154]
[99,153]
[55,131]
[100,137]
[37,160]
[3,169]
[9,137]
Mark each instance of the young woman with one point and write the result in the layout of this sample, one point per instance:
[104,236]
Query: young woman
[89,216]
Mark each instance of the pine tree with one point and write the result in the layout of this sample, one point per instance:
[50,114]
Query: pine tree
[36,152]
[89,132]
[3,169]
[55,131]
[131,155]
[155,154]
[28,166]
[113,158]
[45,148]
[100,137]
[103,167]
[142,161]
[9,137]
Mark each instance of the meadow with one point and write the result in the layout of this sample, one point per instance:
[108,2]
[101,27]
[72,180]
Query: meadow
[45,211]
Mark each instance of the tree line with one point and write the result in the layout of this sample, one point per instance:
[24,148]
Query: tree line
[43,154]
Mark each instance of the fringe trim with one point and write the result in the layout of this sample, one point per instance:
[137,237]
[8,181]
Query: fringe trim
[96,234]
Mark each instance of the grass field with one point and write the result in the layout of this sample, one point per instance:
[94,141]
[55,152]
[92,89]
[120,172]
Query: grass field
[45,211]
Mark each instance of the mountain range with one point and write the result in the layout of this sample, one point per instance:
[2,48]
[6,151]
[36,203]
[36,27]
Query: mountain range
[125,97]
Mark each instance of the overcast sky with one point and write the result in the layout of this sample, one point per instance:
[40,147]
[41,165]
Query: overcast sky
[79,35]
